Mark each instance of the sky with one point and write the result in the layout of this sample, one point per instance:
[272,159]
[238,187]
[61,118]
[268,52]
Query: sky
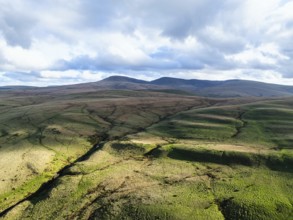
[56,42]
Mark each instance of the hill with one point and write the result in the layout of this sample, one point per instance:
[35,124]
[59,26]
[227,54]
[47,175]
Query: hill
[78,152]
[229,88]
[207,88]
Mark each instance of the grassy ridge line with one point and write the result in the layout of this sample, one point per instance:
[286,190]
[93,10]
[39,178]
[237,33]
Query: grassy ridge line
[128,151]
[262,124]
[239,207]
[274,161]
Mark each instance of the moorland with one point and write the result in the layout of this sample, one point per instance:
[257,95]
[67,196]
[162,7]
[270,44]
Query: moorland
[124,148]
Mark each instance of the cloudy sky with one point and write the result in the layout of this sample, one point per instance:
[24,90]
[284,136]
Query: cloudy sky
[52,42]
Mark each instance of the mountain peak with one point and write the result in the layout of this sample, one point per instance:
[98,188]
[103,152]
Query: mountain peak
[122,79]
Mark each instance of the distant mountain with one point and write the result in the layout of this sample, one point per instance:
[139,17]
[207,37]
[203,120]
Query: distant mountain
[232,88]
[16,87]
[228,88]
[123,79]
[192,83]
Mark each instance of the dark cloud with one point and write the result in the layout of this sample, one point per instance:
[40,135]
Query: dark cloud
[16,26]
[181,18]
[102,14]
[109,63]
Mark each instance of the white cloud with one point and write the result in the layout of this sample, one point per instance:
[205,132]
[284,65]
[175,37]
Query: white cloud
[78,41]
[264,54]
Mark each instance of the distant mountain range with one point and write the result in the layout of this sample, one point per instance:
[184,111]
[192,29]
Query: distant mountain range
[229,88]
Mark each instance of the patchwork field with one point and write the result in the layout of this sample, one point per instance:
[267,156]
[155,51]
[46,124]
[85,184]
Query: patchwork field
[145,155]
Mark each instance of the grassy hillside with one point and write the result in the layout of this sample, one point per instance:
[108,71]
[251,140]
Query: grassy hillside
[39,135]
[145,155]
[266,123]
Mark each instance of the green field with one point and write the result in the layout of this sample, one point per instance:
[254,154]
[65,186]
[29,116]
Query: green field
[145,155]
